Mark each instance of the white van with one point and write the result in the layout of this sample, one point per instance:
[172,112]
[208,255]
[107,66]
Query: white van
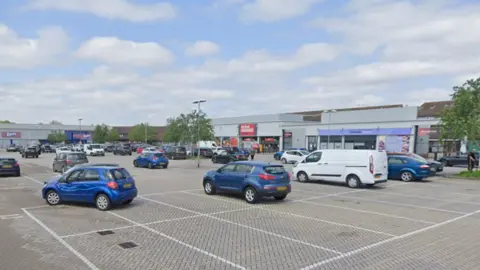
[93,150]
[353,167]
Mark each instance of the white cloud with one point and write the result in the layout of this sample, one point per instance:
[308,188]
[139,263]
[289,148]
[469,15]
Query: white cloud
[202,48]
[275,10]
[113,50]
[111,9]
[18,52]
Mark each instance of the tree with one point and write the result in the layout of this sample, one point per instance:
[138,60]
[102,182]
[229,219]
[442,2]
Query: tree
[462,119]
[100,133]
[6,122]
[137,133]
[183,128]
[113,135]
[55,122]
[56,137]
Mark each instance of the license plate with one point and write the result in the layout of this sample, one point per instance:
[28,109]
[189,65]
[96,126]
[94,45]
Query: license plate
[433,169]
[127,185]
[282,188]
[7,166]
[377,176]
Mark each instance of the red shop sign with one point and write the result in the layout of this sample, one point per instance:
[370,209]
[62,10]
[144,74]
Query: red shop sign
[11,134]
[424,131]
[247,129]
[269,140]
[287,134]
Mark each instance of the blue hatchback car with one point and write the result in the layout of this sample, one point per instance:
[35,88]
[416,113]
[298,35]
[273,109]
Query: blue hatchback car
[408,168]
[251,178]
[9,166]
[151,160]
[103,186]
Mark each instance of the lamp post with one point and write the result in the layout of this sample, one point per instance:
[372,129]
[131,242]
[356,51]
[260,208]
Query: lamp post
[80,127]
[329,120]
[198,102]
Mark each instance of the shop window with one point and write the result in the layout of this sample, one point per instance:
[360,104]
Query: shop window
[335,142]
[360,142]
[312,143]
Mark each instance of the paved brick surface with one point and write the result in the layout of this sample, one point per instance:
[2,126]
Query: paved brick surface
[397,225]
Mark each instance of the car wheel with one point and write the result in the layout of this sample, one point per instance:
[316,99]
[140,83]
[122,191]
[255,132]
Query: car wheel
[52,197]
[103,202]
[165,166]
[209,187]
[280,198]
[135,163]
[407,176]
[250,195]
[18,174]
[128,201]
[114,153]
[284,161]
[36,156]
[150,166]
[302,177]
[130,154]
[353,181]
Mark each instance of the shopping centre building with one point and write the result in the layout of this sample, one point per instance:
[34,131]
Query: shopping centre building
[396,128]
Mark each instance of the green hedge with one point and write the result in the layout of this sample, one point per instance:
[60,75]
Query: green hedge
[472,174]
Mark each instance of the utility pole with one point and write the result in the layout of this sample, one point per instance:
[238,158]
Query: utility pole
[198,102]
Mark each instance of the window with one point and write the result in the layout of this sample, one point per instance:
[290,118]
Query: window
[90,175]
[77,156]
[274,169]
[314,157]
[304,153]
[395,160]
[73,176]
[243,168]
[7,161]
[118,174]
[228,168]
[62,156]
[290,153]
[159,155]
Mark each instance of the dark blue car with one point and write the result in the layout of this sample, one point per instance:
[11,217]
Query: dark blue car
[103,186]
[252,179]
[9,166]
[151,160]
[408,168]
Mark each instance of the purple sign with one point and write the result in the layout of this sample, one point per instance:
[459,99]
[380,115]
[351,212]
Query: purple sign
[370,131]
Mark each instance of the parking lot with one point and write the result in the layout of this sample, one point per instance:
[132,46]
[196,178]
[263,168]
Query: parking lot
[174,225]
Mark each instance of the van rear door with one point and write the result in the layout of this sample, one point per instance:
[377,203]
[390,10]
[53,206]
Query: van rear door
[379,168]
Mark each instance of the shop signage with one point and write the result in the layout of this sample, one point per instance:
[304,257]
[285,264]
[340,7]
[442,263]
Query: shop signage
[287,134]
[247,130]
[269,140]
[82,136]
[424,131]
[9,134]
[373,131]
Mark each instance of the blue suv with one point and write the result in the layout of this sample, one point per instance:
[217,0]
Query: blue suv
[253,179]
[151,160]
[104,186]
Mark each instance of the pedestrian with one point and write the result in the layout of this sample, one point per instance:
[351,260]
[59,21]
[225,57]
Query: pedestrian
[472,160]
[252,153]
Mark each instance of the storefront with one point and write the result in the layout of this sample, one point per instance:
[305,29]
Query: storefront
[429,144]
[389,139]
[269,144]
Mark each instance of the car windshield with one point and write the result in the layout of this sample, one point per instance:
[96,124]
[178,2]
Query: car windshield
[419,158]
[181,150]
[304,152]
[274,169]
[7,161]
[118,174]
[78,156]
[96,146]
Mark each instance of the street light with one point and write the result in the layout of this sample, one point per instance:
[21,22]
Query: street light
[198,102]
[329,120]
[80,127]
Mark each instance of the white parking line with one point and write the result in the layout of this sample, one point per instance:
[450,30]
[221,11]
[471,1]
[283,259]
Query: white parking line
[368,212]
[12,216]
[304,217]
[404,204]
[32,179]
[424,197]
[54,235]
[351,253]
[245,226]
[150,223]
[180,242]
[12,188]
[169,192]
[328,195]
[36,207]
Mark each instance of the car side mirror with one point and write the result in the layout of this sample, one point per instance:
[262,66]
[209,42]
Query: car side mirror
[219,171]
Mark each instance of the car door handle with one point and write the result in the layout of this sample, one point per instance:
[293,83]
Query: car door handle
[325,163]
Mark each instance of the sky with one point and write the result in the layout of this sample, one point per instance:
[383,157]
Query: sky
[123,62]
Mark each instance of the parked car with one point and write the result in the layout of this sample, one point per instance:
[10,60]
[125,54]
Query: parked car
[103,186]
[278,155]
[63,161]
[228,156]
[294,156]
[151,160]
[353,167]
[176,152]
[204,152]
[62,149]
[252,179]
[30,152]
[12,148]
[407,168]
[109,148]
[47,149]
[9,166]
[93,150]
[457,160]
[122,150]
[435,166]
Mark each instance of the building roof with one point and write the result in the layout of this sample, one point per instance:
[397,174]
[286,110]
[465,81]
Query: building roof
[317,115]
[433,109]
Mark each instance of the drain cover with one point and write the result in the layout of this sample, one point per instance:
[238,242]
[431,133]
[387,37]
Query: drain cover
[128,245]
[105,232]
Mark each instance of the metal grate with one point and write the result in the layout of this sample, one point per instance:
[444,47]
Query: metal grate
[128,245]
[105,232]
